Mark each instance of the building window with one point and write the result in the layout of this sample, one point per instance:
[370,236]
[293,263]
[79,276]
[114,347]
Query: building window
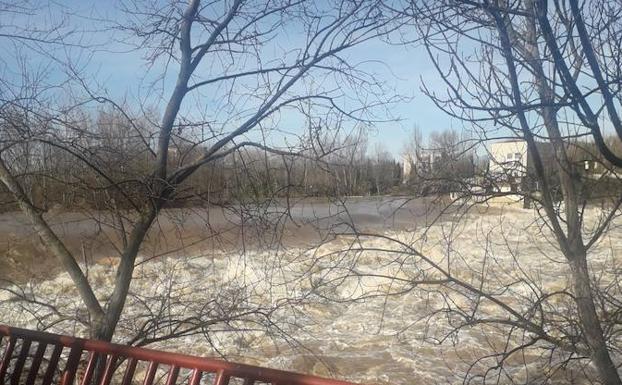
[517,155]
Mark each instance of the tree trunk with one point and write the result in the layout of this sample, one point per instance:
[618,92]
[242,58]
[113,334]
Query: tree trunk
[592,329]
[570,243]
[53,243]
[104,331]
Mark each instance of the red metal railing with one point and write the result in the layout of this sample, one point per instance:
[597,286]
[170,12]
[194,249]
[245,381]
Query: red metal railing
[26,350]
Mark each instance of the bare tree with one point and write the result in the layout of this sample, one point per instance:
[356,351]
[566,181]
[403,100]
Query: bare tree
[540,72]
[219,48]
[541,45]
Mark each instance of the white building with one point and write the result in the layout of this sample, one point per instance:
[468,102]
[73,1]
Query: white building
[509,163]
[511,170]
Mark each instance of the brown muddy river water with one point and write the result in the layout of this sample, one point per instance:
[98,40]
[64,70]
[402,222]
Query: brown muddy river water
[304,223]
[308,295]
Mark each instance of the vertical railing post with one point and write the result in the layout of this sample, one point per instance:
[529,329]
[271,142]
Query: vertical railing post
[109,369]
[21,359]
[173,372]
[6,359]
[151,372]
[129,372]
[72,364]
[36,363]
[51,368]
[195,379]
[222,378]
[91,364]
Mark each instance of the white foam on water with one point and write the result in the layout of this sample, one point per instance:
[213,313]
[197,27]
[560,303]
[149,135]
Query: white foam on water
[338,306]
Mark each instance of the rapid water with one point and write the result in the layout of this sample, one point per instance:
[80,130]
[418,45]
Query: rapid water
[347,308]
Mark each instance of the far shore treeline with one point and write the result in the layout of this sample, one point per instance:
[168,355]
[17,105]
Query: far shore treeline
[339,163]
[119,162]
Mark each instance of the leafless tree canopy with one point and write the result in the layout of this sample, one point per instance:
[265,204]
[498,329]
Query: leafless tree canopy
[235,73]
[249,104]
[546,73]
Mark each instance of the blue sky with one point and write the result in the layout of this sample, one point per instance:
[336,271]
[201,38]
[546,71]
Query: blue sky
[403,68]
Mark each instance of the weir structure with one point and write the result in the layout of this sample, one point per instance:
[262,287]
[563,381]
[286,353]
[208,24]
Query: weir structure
[32,358]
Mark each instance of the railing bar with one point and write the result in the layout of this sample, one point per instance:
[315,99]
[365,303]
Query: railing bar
[19,364]
[222,378]
[49,372]
[6,359]
[109,370]
[129,372]
[36,363]
[69,373]
[223,370]
[151,371]
[90,368]
[173,372]
[195,379]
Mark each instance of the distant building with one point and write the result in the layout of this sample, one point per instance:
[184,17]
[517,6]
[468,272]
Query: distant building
[509,164]
[511,169]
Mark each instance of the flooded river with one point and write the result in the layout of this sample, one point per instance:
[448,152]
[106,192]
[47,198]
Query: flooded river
[318,299]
